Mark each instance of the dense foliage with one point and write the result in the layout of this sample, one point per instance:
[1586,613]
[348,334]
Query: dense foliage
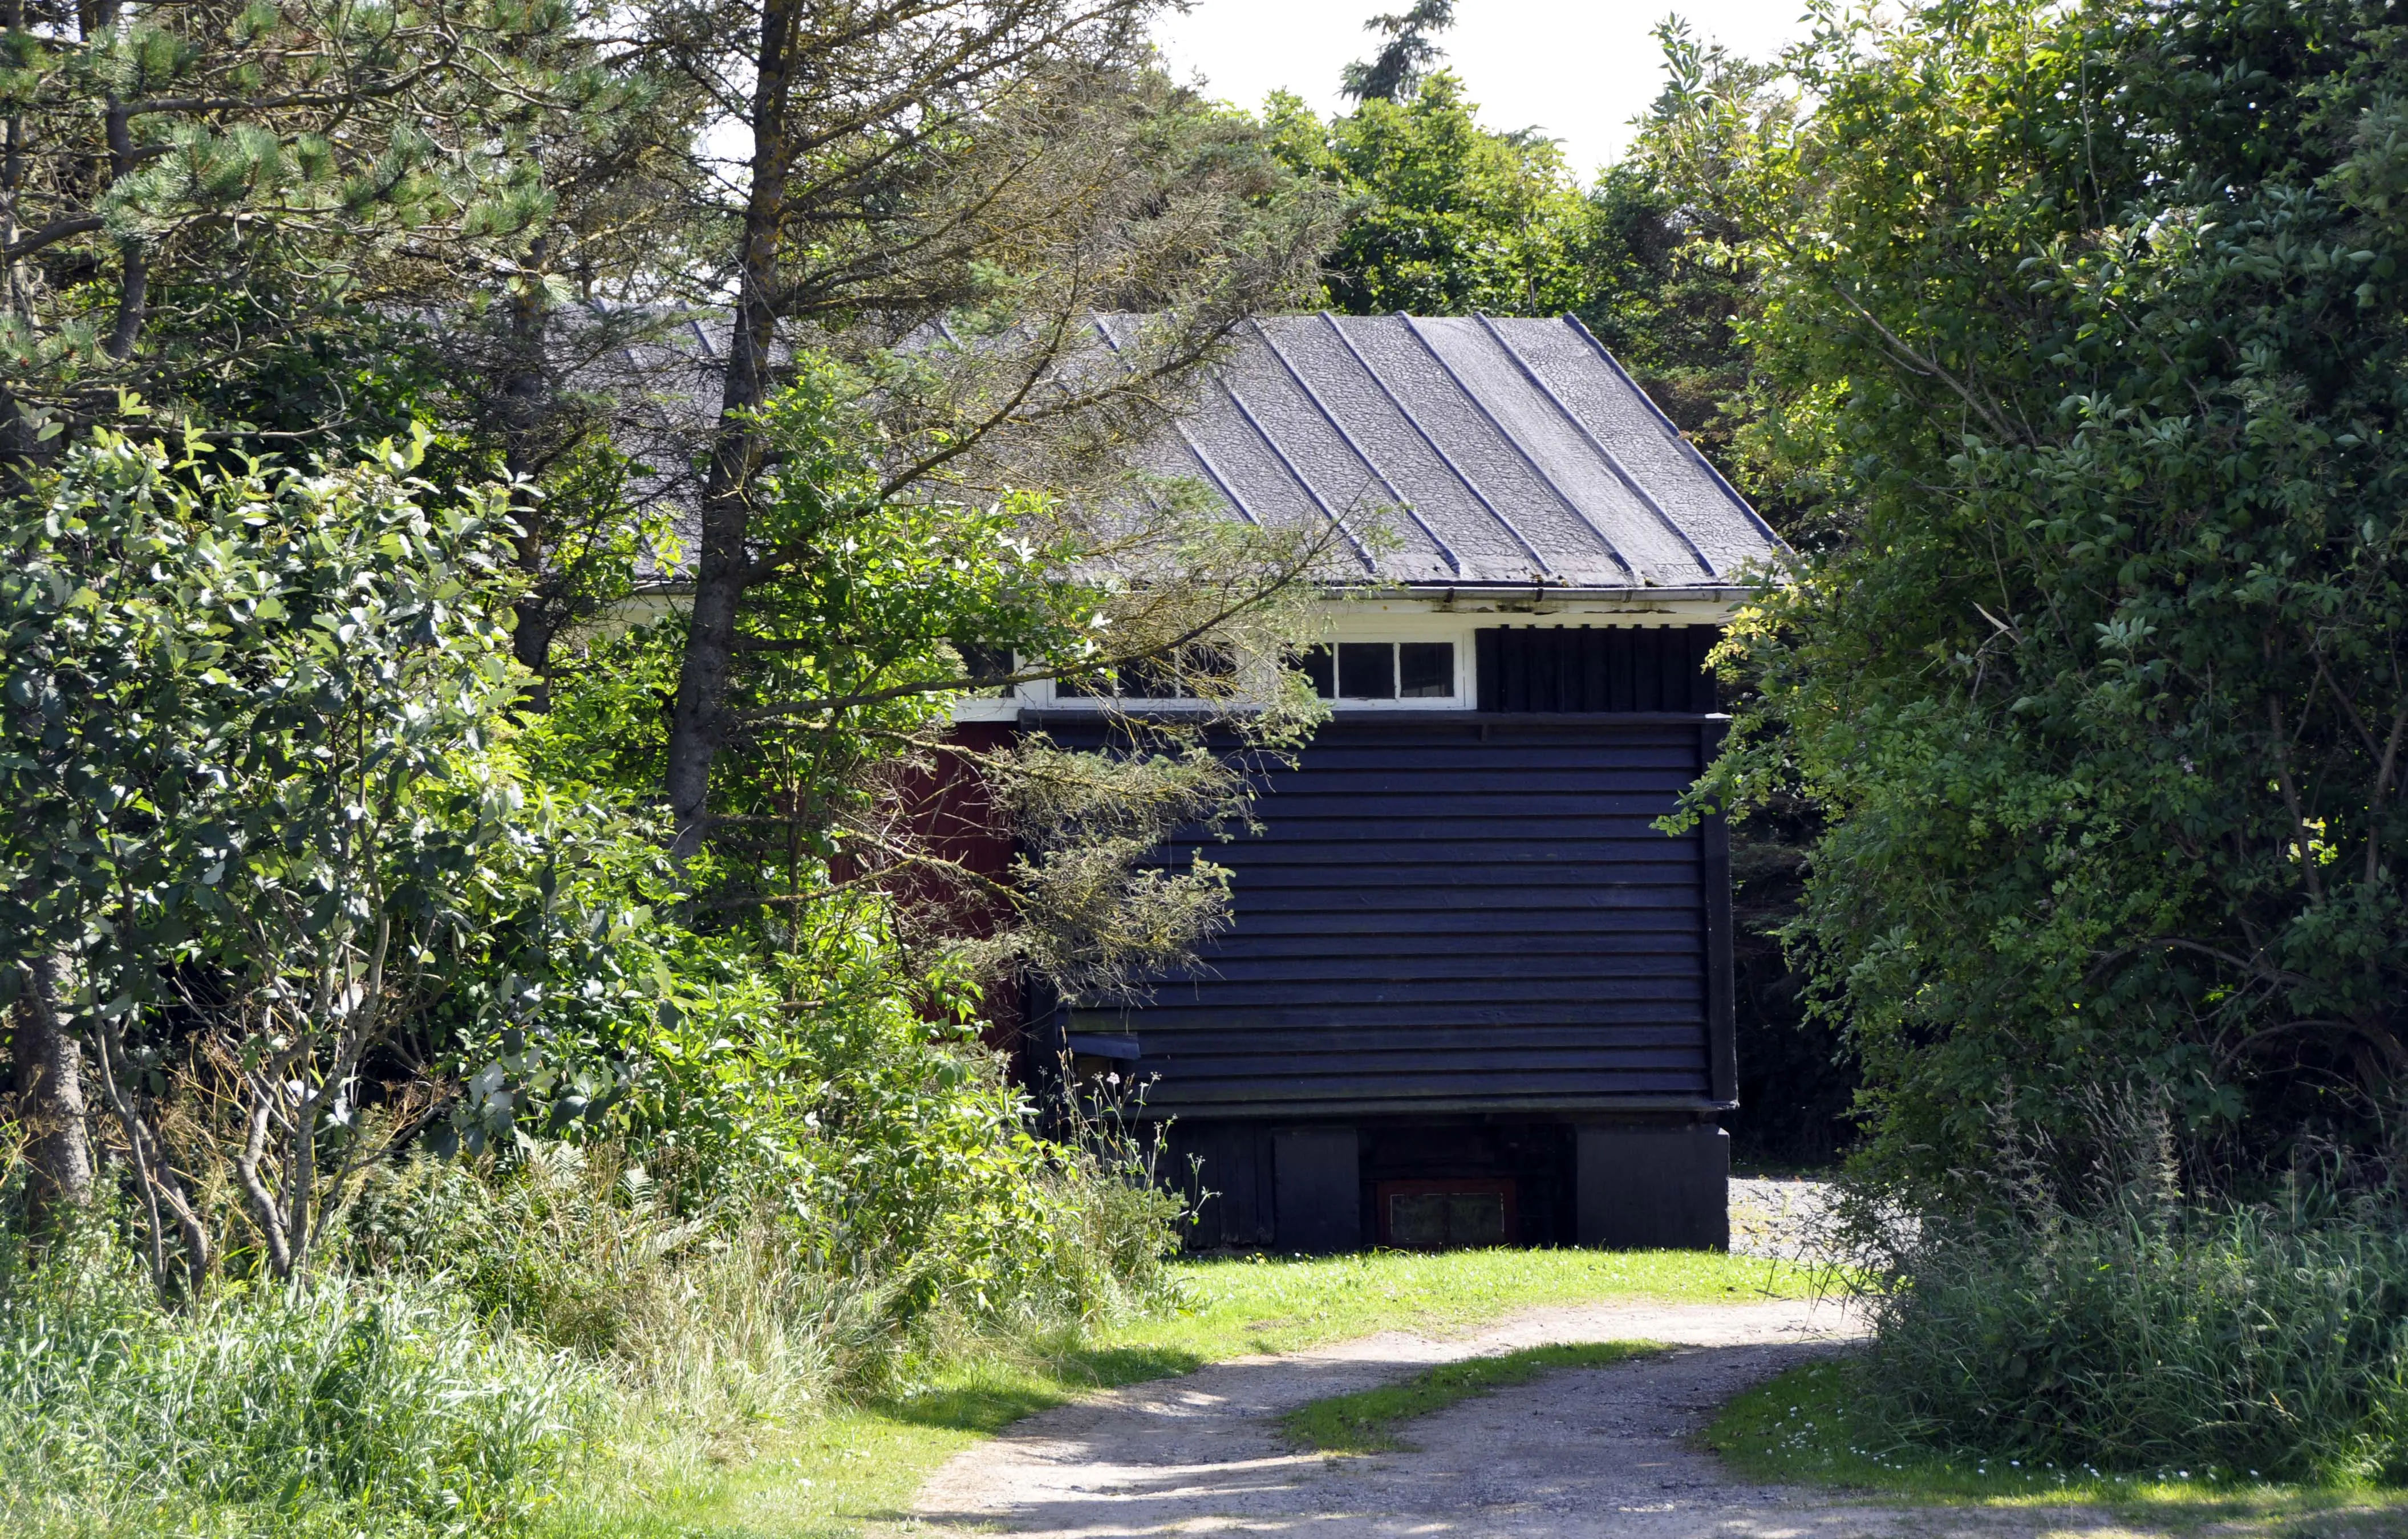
[1448,217]
[467,1117]
[2119,1326]
[322,908]
[337,1411]
[249,776]
[2084,325]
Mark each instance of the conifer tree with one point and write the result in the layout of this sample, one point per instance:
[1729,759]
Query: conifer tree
[970,180]
[1404,61]
[191,189]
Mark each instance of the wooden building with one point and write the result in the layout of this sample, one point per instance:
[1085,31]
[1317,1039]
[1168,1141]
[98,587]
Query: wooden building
[1471,994]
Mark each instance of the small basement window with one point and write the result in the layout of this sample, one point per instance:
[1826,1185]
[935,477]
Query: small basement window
[1445,1215]
[1381,670]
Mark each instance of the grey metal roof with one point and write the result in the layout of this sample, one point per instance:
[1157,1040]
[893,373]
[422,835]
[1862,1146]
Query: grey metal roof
[1511,452]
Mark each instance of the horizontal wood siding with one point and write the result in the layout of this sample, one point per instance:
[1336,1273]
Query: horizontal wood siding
[1448,910]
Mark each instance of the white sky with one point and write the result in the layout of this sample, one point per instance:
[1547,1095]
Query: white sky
[1579,70]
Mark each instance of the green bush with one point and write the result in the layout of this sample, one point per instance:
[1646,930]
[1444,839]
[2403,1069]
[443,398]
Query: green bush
[2150,1333]
[730,1313]
[333,1407]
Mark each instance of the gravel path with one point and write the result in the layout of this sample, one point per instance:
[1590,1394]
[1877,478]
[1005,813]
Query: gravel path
[1784,1217]
[1585,1454]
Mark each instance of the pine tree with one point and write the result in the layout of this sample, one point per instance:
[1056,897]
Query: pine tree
[1404,61]
[990,172]
[193,189]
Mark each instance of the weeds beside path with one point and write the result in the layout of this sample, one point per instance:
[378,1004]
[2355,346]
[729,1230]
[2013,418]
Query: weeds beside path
[827,1479]
[1803,1428]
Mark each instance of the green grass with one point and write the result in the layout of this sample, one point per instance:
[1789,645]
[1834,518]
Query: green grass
[1366,1422]
[828,1478]
[1806,1427]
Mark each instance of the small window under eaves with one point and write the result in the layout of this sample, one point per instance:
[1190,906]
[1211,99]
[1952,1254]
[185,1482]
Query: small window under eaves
[1364,672]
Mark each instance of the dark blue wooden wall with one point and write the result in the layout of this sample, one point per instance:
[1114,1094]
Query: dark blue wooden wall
[1453,912]
[1558,667]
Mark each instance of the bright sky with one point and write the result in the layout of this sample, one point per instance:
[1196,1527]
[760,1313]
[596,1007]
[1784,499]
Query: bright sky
[1579,70]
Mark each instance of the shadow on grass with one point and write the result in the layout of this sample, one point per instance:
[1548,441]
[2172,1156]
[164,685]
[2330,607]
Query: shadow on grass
[993,1397]
[1108,1367]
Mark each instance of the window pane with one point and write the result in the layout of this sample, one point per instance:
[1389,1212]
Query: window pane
[1475,1218]
[1426,670]
[1210,671]
[1418,1220]
[1318,665]
[1367,669]
[1149,678]
[1079,686]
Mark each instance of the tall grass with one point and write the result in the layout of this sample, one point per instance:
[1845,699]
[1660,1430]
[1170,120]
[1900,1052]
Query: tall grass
[335,1406]
[2131,1329]
[722,1315]
[492,1336]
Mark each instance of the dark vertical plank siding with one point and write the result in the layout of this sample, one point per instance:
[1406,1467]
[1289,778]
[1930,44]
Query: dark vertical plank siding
[1449,911]
[1722,1045]
[1561,668]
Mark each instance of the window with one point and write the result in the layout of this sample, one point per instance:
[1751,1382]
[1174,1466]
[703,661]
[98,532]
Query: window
[1367,669]
[1381,670]
[1201,671]
[1445,1215]
[987,665]
[1425,670]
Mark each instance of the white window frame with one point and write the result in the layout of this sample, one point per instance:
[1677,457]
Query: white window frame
[1459,699]
[1346,623]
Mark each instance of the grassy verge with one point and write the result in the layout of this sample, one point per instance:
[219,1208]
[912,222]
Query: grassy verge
[825,1479]
[1367,1421]
[1805,1428]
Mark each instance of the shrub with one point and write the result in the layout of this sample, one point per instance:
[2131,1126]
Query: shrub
[712,1316]
[733,1313]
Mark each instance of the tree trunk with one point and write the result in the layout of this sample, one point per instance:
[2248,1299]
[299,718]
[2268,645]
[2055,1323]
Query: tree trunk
[134,262]
[530,643]
[698,726]
[527,403]
[49,1100]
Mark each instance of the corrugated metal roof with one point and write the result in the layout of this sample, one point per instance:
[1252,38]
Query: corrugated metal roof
[1510,452]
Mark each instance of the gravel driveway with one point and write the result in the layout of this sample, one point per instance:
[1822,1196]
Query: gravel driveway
[1781,1215]
[1582,1454]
